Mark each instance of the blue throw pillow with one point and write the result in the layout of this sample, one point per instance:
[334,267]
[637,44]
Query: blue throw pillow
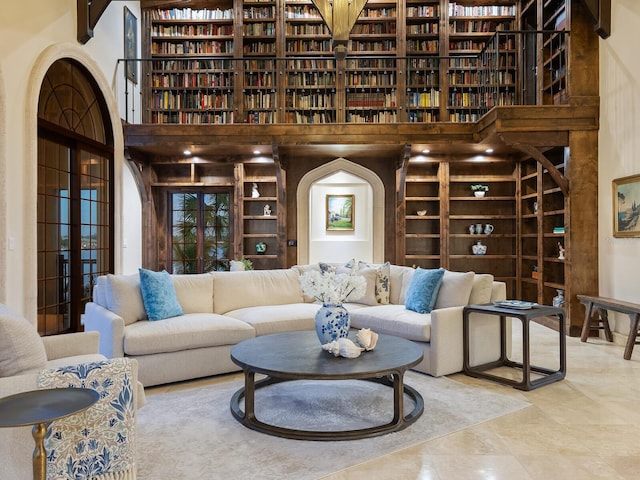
[423,290]
[159,295]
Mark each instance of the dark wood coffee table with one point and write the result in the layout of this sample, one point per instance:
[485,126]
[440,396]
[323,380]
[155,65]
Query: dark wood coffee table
[299,356]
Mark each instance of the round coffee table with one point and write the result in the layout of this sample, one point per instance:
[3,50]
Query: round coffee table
[299,356]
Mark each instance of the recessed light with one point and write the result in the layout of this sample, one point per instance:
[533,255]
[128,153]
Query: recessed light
[426,150]
[187,152]
[256,152]
[489,150]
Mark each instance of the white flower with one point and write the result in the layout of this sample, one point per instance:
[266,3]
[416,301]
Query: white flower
[333,288]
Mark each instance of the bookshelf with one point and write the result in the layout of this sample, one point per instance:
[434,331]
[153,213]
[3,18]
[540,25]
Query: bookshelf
[260,211]
[272,61]
[471,86]
[191,81]
[544,226]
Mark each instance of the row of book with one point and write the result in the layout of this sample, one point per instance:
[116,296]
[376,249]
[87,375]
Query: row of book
[256,29]
[190,47]
[430,98]
[423,11]
[310,79]
[259,99]
[308,117]
[307,29]
[371,79]
[192,14]
[378,28]
[377,117]
[423,29]
[479,26]
[422,116]
[179,65]
[261,117]
[259,48]
[169,100]
[423,46]
[193,118]
[258,79]
[311,101]
[259,12]
[192,80]
[372,46]
[457,10]
[207,29]
[372,100]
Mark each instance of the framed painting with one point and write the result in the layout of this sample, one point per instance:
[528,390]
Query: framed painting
[130,45]
[626,206]
[340,212]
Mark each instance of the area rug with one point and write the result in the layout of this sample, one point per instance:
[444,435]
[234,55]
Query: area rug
[191,434]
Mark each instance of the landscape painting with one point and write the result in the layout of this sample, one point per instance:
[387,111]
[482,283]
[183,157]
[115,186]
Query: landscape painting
[340,210]
[626,206]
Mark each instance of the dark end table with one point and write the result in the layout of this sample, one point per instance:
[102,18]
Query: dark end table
[525,316]
[39,408]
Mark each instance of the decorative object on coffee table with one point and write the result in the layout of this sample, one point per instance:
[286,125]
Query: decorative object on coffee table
[332,319]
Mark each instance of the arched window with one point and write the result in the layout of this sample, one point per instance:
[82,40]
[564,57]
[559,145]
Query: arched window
[75,195]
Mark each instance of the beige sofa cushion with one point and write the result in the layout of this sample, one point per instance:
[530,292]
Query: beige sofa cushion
[235,290]
[393,320]
[400,279]
[124,298]
[194,292]
[482,287]
[21,348]
[195,330]
[455,289]
[278,318]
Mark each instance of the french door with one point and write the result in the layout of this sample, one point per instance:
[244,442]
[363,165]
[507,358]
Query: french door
[201,230]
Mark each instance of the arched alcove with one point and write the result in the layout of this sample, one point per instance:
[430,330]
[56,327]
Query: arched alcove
[374,204]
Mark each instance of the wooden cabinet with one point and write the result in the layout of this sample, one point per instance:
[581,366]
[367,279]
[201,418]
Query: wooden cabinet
[259,234]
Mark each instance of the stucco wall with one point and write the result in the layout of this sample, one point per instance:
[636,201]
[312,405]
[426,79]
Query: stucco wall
[619,147]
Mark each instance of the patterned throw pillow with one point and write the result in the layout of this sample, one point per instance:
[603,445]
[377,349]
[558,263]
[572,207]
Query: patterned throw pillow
[382,287]
[159,295]
[423,290]
[100,440]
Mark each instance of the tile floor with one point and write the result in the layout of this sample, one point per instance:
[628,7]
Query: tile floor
[584,427]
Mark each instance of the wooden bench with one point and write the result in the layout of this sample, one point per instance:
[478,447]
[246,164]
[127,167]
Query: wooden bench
[600,305]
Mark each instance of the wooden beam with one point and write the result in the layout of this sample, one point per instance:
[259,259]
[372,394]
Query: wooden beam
[560,179]
[88,14]
[600,13]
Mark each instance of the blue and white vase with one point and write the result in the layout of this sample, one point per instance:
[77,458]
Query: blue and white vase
[332,322]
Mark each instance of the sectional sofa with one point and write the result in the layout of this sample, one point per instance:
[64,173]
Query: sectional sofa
[220,309]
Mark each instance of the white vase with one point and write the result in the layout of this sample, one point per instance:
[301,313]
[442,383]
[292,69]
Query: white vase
[332,322]
[479,193]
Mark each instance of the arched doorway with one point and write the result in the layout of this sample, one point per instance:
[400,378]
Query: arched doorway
[75,190]
[340,176]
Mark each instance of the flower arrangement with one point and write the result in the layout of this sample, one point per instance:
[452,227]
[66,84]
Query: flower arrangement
[333,288]
[479,187]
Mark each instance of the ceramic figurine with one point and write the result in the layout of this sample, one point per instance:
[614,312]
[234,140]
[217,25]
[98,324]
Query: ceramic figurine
[261,248]
[560,251]
[488,229]
[267,210]
[254,191]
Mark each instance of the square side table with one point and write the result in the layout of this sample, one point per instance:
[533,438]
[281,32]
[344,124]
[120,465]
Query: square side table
[525,316]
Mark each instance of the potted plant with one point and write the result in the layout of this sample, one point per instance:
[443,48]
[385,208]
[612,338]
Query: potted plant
[479,189]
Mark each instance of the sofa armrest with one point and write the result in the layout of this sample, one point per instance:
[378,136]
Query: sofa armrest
[446,341]
[71,344]
[110,327]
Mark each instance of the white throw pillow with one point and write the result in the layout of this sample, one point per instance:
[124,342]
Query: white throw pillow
[21,348]
[455,289]
[482,288]
[124,297]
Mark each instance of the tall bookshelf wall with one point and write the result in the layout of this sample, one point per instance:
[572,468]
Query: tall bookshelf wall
[272,61]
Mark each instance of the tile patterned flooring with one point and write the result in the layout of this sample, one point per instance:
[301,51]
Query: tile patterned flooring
[584,427]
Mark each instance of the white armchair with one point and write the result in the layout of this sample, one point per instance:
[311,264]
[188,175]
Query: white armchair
[28,361]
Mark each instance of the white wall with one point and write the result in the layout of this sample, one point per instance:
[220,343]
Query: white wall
[619,142]
[340,246]
[33,34]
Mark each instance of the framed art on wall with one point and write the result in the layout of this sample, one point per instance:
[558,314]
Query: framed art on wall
[626,206]
[340,212]
[130,45]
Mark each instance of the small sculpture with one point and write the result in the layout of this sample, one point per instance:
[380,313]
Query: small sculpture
[472,229]
[367,339]
[267,210]
[343,347]
[261,248]
[560,251]
[479,248]
[254,191]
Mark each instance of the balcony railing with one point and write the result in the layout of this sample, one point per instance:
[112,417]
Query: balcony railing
[513,68]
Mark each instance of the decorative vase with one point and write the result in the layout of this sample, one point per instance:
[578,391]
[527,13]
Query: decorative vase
[558,300]
[332,322]
[479,193]
[261,248]
[479,248]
